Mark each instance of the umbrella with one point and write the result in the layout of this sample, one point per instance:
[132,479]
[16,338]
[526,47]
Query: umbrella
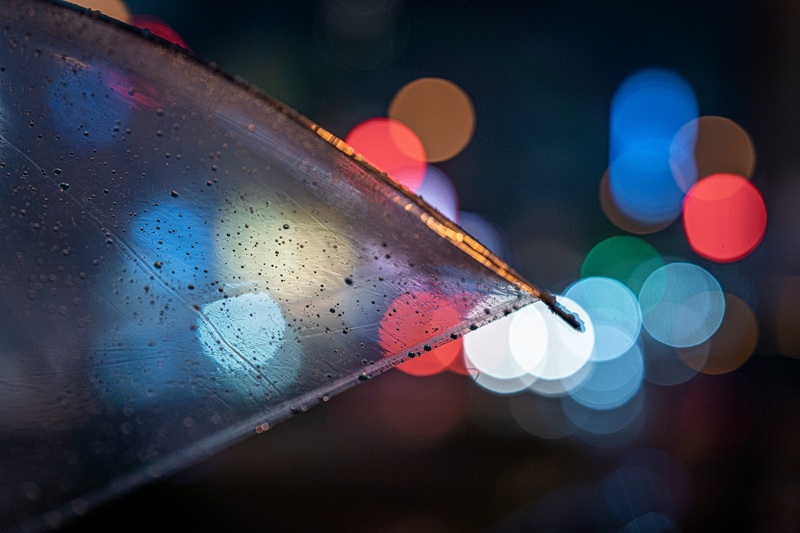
[187,261]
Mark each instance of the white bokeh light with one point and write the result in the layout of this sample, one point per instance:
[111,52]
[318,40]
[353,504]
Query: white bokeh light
[567,350]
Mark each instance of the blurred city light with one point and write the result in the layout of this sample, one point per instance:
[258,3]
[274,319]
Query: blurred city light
[436,189]
[613,311]
[721,146]
[647,112]
[392,147]
[724,217]
[629,260]
[682,304]
[439,112]
[158,27]
[116,9]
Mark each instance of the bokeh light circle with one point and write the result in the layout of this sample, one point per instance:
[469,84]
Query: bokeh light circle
[485,232]
[720,146]
[410,320]
[391,147]
[613,382]
[502,387]
[682,304]
[488,351]
[663,366]
[567,350]
[647,111]
[624,258]
[557,388]
[439,112]
[724,217]
[528,338]
[158,27]
[438,190]
[606,421]
[642,185]
[252,324]
[730,346]
[116,9]
[620,218]
[614,312]
[434,362]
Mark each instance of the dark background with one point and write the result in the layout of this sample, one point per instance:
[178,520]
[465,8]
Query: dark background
[440,453]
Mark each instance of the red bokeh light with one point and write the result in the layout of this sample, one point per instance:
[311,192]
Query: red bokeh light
[392,147]
[414,318]
[158,27]
[724,217]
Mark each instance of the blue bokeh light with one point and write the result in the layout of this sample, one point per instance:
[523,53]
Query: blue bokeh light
[682,304]
[612,382]
[614,312]
[647,112]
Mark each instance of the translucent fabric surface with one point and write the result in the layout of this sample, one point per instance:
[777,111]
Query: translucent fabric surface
[184,261]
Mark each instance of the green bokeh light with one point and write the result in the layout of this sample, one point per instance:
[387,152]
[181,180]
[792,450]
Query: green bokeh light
[629,260]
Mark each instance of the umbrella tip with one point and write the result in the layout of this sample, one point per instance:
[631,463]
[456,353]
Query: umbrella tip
[565,314]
